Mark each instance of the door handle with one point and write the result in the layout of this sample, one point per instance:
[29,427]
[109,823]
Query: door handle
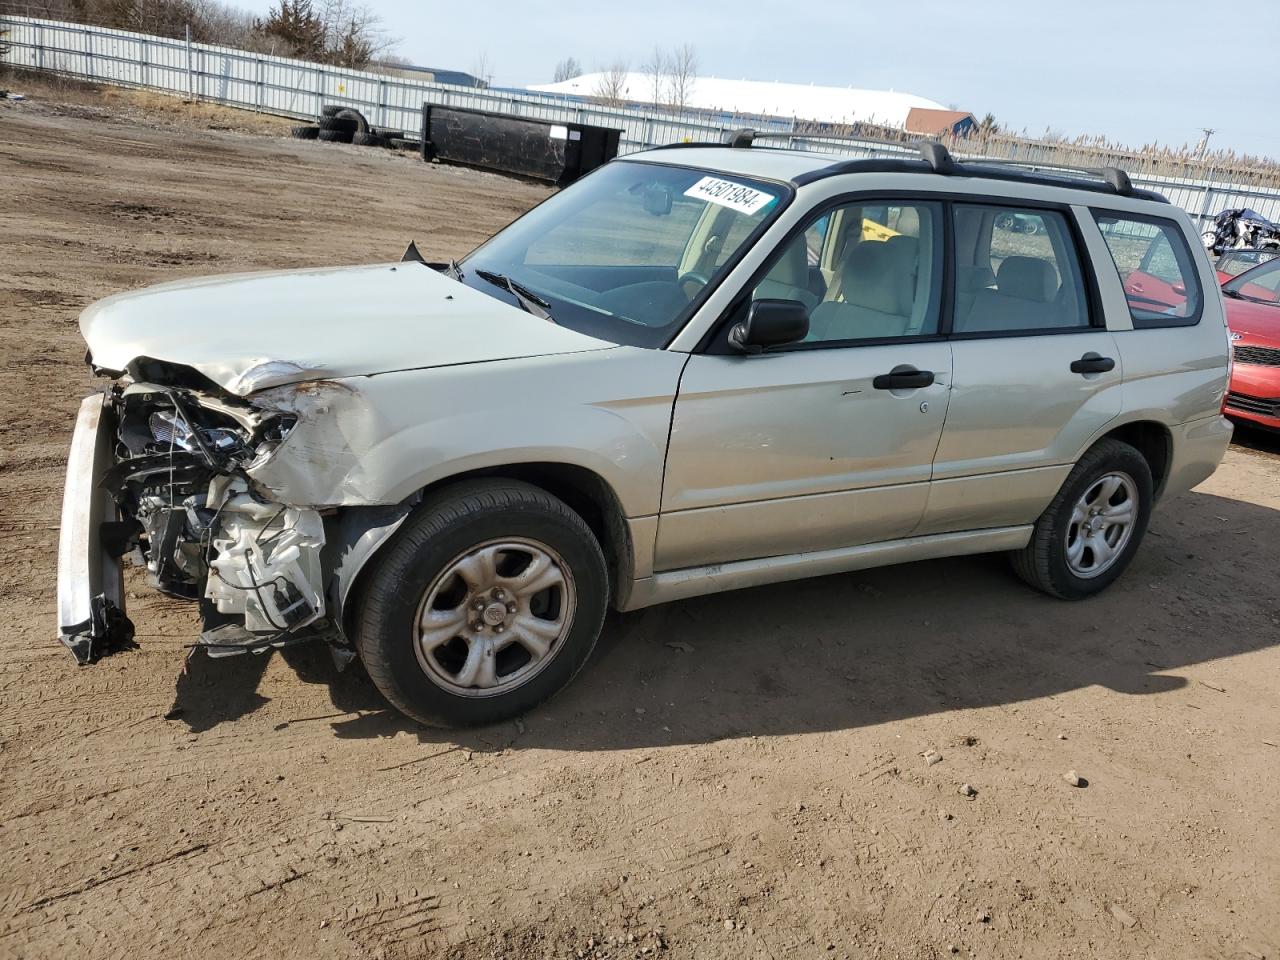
[908,378]
[1093,363]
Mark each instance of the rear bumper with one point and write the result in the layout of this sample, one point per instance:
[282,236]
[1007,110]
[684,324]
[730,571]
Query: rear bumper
[91,617]
[1198,448]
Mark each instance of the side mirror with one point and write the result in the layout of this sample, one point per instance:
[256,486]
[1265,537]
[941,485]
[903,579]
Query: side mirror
[770,323]
[657,201]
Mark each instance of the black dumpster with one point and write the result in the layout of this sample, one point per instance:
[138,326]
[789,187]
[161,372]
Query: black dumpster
[539,149]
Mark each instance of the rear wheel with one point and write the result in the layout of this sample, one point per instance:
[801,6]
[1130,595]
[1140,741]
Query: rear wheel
[1093,527]
[488,602]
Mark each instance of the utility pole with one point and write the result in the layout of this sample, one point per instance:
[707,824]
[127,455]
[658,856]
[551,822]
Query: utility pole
[1204,141]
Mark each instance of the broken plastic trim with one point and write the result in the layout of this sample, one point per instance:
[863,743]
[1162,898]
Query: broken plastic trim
[107,631]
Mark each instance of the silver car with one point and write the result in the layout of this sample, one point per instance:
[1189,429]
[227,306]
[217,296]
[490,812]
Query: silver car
[694,370]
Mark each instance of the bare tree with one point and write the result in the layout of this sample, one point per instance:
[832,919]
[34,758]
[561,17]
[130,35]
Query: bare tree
[353,33]
[342,32]
[611,87]
[682,73]
[655,74]
[567,69]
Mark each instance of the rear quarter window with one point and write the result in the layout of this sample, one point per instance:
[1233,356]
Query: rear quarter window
[1156,269]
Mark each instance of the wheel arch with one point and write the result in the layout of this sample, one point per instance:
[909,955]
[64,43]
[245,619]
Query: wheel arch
[1153,440]
[584,491]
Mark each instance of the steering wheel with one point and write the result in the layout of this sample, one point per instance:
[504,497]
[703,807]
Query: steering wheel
[691,276]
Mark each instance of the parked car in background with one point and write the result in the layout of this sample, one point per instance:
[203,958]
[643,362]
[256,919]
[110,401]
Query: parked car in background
[1241,229]
[1159,280]
[692,370]
[1020,223]
[1253,316]
[1235,262]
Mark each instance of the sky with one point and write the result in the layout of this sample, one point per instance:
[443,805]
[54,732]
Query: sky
[1135,71]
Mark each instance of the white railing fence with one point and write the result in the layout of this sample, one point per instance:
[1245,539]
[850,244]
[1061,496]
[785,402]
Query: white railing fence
[298,88]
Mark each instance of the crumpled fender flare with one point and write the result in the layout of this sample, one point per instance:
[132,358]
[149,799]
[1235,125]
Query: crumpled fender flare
[352,537]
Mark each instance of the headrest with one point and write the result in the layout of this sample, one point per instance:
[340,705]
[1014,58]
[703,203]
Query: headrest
[877,276]
[793,267]
[1027,278]
[908,245]
[972,279]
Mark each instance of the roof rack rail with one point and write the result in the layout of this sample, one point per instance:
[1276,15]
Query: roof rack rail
[935,158]
[1114,177]
[738,140]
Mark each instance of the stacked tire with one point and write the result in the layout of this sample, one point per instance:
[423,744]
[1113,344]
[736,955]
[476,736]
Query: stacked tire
[337,129]
[339,124]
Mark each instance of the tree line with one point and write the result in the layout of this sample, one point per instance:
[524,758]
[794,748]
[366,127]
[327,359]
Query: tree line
[344,33]
[669,76]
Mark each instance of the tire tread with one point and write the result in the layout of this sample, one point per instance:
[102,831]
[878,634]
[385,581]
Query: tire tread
[438,513]
[1033,563]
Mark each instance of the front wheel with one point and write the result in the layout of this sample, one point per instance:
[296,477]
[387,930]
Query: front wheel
[488,602]
[1091,530]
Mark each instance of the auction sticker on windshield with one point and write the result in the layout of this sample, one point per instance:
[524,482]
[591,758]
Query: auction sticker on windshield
[727,193]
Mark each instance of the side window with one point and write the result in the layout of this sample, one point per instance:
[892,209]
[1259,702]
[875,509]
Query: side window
[1017,271]
[866,271]
[1156,269]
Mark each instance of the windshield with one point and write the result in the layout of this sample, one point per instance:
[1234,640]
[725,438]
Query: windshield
[625,253]
[1260,284]
[1235,262]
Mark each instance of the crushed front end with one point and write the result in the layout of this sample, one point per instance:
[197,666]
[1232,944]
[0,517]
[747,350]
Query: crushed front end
[159,474]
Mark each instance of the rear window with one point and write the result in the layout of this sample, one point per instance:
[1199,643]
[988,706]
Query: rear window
[1156,270]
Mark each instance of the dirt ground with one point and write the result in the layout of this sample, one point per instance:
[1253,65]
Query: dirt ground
[760,792]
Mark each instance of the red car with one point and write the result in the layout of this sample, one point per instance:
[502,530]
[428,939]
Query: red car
[1253,315]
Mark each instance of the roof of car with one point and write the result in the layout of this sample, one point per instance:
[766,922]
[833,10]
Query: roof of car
[798,167]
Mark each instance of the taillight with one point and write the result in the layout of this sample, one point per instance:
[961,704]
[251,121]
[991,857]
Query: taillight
[1231,366]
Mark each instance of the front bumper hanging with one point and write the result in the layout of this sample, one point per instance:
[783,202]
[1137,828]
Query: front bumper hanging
[91,609]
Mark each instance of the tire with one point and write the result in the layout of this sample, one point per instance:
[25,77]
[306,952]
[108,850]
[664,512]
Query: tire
[356,117]
[1044,562]
[331,109]
[341,124]
[335,136]
[369,140]
[404,143]
[415,577]
[306,133]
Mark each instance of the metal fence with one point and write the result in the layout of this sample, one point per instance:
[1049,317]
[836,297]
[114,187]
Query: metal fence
[298,88]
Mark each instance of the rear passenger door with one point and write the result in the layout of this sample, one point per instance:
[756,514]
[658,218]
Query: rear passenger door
[1036,373]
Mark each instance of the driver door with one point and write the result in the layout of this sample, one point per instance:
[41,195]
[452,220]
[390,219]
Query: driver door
[828,442]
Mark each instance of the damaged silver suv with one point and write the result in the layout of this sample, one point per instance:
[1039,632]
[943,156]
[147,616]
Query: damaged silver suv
[693,370]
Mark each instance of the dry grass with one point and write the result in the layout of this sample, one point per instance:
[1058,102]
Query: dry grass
[146,106]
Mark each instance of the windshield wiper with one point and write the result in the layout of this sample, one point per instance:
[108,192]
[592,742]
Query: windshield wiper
[529,301]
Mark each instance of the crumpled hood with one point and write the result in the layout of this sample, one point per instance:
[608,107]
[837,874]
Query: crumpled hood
[251,331]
